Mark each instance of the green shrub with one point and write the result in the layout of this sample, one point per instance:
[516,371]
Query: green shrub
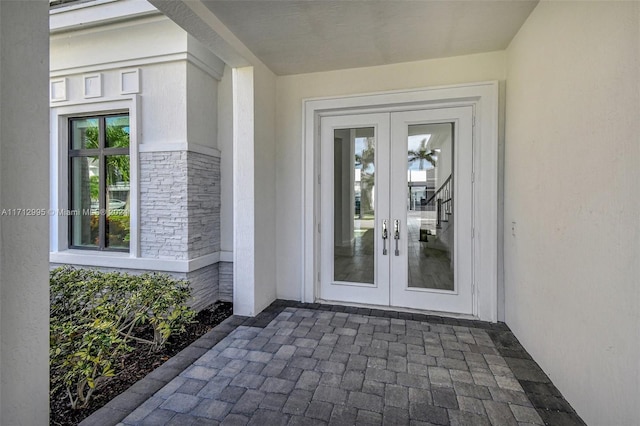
[94,318]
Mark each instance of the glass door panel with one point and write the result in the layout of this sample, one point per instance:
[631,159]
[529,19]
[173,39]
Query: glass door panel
[354,204]
[430,197]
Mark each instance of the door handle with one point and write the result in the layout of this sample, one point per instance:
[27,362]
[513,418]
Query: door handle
[396,234]
[385,235]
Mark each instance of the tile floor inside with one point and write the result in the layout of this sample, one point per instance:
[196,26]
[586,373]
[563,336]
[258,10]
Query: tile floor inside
[429,261]
[321,364]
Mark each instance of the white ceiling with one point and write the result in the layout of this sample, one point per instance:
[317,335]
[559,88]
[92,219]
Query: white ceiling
[293,37]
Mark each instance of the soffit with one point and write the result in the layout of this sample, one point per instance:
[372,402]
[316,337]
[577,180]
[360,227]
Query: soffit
[293,37]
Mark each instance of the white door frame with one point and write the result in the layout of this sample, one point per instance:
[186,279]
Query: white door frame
[484,99]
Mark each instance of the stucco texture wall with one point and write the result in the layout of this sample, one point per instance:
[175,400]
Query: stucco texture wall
[24,278]
[572,179]
[292,90]
[225,145]
[265,187]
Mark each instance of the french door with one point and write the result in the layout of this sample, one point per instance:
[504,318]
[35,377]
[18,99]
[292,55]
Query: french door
[396,209]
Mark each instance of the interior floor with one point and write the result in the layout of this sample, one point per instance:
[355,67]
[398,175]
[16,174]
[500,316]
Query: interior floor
[429,263]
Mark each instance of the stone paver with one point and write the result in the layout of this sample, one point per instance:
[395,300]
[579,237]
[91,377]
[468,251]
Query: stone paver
[317,364]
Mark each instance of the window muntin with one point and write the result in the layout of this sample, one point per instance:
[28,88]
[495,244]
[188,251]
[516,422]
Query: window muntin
[99,182]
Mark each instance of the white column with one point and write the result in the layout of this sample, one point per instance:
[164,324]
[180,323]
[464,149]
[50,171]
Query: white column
[24,251]
[244,300]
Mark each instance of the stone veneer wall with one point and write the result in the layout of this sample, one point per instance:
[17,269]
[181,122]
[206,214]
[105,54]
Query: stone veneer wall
[226,281]
[204,286]
[203,204]
[163,205]
[179,205]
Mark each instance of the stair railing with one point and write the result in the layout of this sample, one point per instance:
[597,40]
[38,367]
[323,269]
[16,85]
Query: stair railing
[444,202]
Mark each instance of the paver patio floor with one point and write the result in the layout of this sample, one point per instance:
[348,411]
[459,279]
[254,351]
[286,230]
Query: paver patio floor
[323,366]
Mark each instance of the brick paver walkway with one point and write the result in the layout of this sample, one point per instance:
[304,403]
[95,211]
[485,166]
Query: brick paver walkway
[315,366]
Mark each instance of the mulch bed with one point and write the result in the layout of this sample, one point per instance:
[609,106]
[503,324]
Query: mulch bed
[137,364]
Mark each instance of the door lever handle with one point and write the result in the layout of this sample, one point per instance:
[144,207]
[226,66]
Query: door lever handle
[385,235]
[396,234]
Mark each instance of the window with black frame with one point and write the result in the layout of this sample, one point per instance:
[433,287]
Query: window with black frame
[99,182]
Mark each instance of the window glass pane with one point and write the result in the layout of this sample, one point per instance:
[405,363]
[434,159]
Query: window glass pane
[85,190]
[430,206]
[354,205]
[117,131]
[84,133]
[117,225]
[102,201]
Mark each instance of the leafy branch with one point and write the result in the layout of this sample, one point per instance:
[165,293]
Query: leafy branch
[94,319]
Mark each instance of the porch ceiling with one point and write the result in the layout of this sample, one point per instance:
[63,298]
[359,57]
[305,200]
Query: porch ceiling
[293,37]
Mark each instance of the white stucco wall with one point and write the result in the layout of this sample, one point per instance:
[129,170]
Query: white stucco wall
[225,145]
[96,46]
[291,90]
[254,191]
[202,105]
[165,95]
[244,271]
[265,186]
[177,75]
[572,179]
[24,279]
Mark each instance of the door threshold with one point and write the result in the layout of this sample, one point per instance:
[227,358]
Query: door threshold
[401,309]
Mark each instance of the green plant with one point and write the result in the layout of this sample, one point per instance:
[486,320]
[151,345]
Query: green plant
[95,316]
[83,357]
[118,137]
[168,312]
[118,230]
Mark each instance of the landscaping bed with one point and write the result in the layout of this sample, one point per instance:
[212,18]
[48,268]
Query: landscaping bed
[137,364]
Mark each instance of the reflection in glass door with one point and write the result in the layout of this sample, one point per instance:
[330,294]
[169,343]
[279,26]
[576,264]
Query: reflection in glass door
[430,198]
[354,205]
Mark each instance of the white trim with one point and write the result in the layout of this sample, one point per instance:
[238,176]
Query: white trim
[397,309]
[122,260]
[482,95]
[58,90]
[214,70]
[130,85]
[99,12]
[179,147]
[244,261]
[69,7]
[81,105]
[226,256]
[92,85]
[59,164]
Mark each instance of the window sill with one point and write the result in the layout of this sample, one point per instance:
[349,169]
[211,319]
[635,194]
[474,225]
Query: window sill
[127,261]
